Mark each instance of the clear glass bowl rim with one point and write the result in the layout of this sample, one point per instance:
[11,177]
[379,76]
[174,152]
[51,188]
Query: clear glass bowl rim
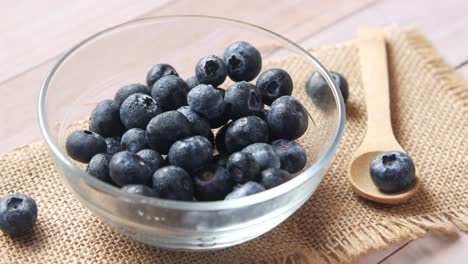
[185,205]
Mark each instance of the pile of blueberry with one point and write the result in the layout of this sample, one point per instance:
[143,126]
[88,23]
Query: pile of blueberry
[157,139]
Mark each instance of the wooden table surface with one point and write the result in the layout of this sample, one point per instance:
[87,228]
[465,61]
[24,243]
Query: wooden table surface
[34,34]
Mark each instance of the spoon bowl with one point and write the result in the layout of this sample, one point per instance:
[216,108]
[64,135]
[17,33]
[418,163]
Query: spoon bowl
[379,136]
[363,185]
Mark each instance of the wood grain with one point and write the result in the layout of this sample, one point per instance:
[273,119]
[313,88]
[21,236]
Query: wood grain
[379,255]
[295,19]
[23,89]
[22,93]
[433,248]
[33,31]
[443,22]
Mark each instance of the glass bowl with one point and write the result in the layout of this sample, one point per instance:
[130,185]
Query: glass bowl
[95,68]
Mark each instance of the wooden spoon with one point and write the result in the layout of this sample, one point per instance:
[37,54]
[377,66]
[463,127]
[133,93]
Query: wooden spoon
[379,136]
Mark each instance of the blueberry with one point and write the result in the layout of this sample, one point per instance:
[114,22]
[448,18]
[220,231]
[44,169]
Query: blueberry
[105,119]
[192,82]
[287,118]
[129,89]
[152,158]
[243,167]
[292,155]
[138,109]
[242,99]
[166,161]
[134,140]
[200,125]
[263,114]
[342,84]
[173,183]
[273,84]
[221,91]
[265,155]
[246,189]
[243,61]
[211,70]
[207,101]
[98,167]
[170,92]
[127,167]
[82,145]
[222,119]
[140,190]
[220,159]
[212,183]
[18,214]
[157,72]
[245,131]
[319,91]
[392,171]
[191,153]
[113,145]
[165,129]
[273,177]
[220,141]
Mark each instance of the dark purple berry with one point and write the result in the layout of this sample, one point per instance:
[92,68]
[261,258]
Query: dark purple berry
[273,84]
[212,183]
[82,145]
[173,183]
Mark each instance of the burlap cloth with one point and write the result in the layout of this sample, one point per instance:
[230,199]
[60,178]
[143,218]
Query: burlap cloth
[429,103]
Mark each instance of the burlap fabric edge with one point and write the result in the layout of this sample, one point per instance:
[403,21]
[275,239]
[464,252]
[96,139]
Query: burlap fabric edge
[365,238]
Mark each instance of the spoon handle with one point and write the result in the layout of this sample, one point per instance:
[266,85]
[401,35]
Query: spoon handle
[373,59]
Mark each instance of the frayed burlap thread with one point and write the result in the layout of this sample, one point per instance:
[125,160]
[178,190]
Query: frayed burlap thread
[429,103]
